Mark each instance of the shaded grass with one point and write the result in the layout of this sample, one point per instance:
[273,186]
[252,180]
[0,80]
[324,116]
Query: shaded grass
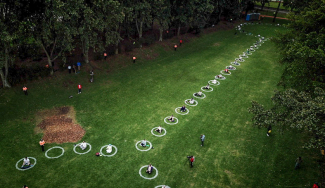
[122,107]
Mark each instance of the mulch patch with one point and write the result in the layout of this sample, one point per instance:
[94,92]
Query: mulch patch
[60,126]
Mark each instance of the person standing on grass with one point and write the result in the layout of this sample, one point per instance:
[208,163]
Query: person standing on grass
[202,139]
[180,42]
[269,130]
[192,159]
[105,55]
[69,68]
[79,65]
[74,69]
[25,90]
[175,47]
[92,75]
[79,88]
[42,143]
[298,163]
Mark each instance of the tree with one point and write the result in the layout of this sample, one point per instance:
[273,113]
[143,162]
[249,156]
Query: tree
[295,5]
[161,12]
[302,48]
[142,15]
[201,13]
[52,28]
[181,13]
[14,27]
[292,109]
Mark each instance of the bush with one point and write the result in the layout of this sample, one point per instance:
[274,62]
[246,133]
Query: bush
[150,39]
[128,46]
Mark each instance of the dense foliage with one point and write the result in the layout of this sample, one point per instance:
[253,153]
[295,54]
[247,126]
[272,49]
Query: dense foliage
[58,27]
[301,106]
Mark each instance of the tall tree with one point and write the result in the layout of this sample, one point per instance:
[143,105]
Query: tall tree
[302,48]
[161,12]
[53,30]
[142,15]
[293,109]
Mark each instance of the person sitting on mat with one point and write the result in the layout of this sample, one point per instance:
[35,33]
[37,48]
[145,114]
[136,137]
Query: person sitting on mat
[230,67]
[214,81]
[109,148]
[26,162]
[183,108]
[172,119]
[83,145]
[158,129]
[226,71]
[149,169]
[198,94]
[207,87]
[219,76]
[143,143]
[191,101]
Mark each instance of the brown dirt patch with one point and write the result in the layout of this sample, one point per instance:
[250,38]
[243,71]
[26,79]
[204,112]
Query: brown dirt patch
[59,125]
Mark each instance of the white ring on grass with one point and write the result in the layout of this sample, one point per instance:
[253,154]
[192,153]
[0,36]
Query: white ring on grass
[21,169]
[161,186]
[195,104]
[159,135]
[249,54]
[54,148]
[223,78]
[233,63]
[224,73]
[169,123]
[146,166]
[216,84]
[74,149]
[108,155]
[241,60]
[184,113]
[203,96]
[136,146]
[233,68]
[206,90]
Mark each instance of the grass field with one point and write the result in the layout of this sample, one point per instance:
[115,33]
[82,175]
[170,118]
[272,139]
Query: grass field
[122,106]
[272,5]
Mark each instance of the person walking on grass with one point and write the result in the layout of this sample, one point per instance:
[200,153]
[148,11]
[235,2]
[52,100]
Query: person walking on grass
[79,88]
[69,68]
[42,143]
[202,139]
[298,163]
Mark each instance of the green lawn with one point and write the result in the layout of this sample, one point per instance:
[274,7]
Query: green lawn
[272,5]
[122,106]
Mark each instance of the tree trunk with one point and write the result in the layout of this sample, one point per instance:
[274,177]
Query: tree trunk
[4,79]
[85,49]
[48,58]
[263,3]
[139,27]
[179,29]
[276,11]
[140,31]
[161,33]
[116,46]
[4,76]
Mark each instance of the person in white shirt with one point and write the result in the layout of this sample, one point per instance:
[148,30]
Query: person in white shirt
[83,145]
[214,81]
[143,143]
[171,118]
[207,87]
[109,148]
[198,94]
[26,162]
[158,129]
[149,169]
